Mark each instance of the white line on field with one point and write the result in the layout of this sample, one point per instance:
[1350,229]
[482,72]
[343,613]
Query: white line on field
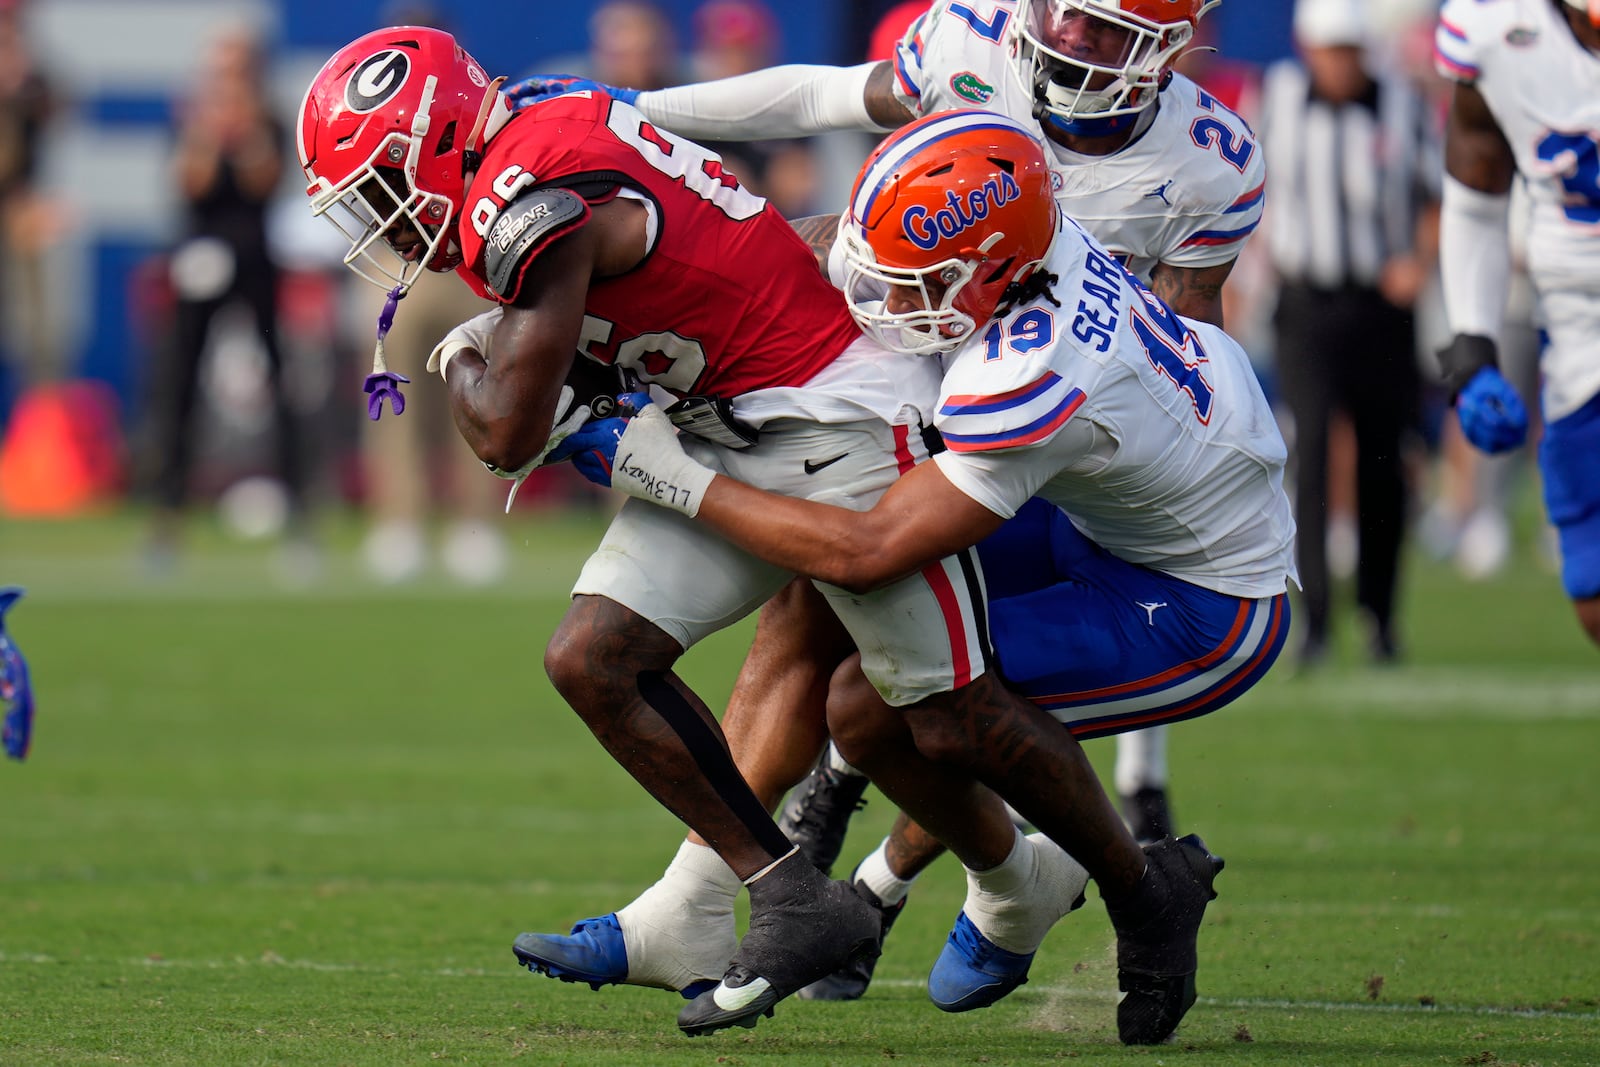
[1430,693]
[271,959]
[1278,1004]
[1471,1010]
[91,578]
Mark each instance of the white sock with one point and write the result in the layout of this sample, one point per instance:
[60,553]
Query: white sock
[681,929]
[1016,903]
[1141,761]
[874,873]
[838,763]
[700,864]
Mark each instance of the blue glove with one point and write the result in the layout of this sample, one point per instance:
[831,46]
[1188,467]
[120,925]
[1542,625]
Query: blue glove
[532,90]
[15,687]
[1492,414]
[593,447]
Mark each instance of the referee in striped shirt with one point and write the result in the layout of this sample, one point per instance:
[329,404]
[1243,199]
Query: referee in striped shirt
[1354,168]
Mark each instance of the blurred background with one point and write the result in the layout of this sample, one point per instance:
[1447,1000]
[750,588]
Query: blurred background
[181,348]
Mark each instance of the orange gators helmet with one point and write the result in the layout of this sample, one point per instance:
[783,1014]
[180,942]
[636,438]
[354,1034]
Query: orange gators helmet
[956,207]
[386,133]
[1092,65]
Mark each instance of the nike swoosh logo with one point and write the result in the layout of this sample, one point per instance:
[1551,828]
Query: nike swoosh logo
[740,998]
[812,468]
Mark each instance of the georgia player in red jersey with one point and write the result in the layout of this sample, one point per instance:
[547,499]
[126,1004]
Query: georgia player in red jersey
[722,269]
[595,233]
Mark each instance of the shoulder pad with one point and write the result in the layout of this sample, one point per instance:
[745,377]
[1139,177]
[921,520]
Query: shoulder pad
[525,226]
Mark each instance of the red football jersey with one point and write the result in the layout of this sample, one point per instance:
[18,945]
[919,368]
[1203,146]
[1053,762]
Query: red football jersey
[729,298]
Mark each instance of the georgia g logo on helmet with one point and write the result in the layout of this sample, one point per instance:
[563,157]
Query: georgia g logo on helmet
[376,80]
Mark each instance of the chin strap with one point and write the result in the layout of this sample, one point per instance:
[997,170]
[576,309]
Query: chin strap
[480,131]
[1096,126]
[1091,127]
[1035,285]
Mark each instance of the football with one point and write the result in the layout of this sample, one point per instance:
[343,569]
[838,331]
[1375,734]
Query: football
[596,385]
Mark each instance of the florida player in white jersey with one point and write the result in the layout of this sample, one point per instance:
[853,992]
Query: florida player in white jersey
[1164,175]
[1160,172]
[1527,104]
[1064,379]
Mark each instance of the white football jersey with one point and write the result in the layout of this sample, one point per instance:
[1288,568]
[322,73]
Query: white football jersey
[1543,88]
[1149,430]
[1188,191]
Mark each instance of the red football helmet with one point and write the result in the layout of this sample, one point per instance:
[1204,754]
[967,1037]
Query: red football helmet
[385,133]
[955,206]
[1091,65]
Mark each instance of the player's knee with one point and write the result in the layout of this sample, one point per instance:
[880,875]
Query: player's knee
[938,725]
[575,659]
[564,659]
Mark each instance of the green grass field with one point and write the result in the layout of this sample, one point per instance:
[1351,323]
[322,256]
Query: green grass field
[263,826]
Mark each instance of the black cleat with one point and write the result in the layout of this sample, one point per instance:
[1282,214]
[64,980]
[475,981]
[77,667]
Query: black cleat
[850,981]
[1156,934]
[818,813]
[802,927]
[1148,814]
[742,998]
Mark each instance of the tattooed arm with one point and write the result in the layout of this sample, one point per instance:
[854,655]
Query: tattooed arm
[818,231]
[1194,292]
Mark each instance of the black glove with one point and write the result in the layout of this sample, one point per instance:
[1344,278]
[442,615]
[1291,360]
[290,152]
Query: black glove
[1463,357]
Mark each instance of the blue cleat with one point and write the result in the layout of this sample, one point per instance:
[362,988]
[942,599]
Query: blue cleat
[594,952]
[972,971]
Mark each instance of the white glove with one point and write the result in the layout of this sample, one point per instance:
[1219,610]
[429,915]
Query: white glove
[473,334]
[570,418]
[652,465]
